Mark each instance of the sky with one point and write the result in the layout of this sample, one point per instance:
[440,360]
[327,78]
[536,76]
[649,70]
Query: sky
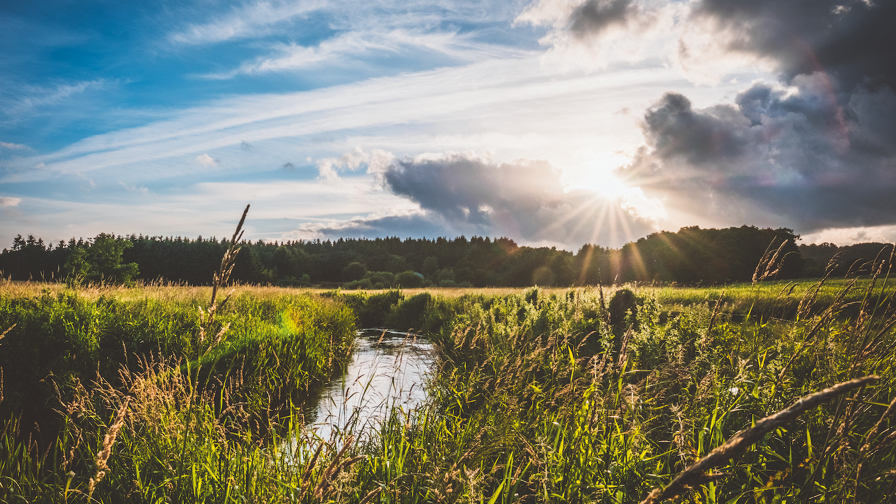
[550,122]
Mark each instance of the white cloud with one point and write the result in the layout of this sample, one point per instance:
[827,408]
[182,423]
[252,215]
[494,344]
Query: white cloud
[255,19]
[509,99]
[32,96]
[638,204]
[12,146]
[647,31]
[553,13]
[207,209]
[206,160]
[7,202]
[376,161]
[512,108]
[134,189]
[703,52]
[697,46]
[248,20]
[852,235]
[459,47]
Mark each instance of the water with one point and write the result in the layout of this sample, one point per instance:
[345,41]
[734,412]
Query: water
[388,368]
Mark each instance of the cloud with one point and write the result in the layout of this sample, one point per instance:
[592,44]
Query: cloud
[849,236]
[521,105]
[524,200]
[8,202]
[352,44]
[22,99]
[596,16]
[206,160]
[13,146]
[787,156]
[813,146]
[593,34]
[250,19]
[406,225]
[134,188]
[708,39]
[849,39]
[376,162]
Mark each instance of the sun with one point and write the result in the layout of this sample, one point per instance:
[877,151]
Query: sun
[600,181]
[611,190]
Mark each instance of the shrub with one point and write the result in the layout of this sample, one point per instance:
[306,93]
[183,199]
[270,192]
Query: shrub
[409,279]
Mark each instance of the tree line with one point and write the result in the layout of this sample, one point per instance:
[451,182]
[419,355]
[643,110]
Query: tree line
[689,256]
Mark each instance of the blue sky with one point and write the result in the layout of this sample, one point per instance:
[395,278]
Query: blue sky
[554,122]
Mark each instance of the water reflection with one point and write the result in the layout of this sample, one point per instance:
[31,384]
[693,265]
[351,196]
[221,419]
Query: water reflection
[388,369]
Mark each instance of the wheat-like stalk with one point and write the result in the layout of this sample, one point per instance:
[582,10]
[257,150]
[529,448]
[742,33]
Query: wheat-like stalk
[712,320]
[771,262]
[103,456]
[220,278]
[336,466]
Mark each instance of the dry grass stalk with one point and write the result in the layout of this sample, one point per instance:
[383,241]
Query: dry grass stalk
[808,301]
[306,476]
[820,323]
[103,456]
[770,264]
[623,349]
[335,467]
[207,317]
[696,474]
[712,321]
[370,495]
[763,263]
[3,335]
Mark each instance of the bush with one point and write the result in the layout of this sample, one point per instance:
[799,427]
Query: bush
[409,279]
[375,308]
[410,313]
[363,283]
[384,279]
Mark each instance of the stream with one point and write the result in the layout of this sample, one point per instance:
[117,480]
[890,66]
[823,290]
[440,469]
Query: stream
[388,369]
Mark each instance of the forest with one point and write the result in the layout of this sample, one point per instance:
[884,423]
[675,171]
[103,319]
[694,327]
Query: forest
[690,256]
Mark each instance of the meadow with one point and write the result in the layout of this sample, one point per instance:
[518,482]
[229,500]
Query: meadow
[612,395]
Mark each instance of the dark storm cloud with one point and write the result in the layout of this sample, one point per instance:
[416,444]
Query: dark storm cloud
[815,150]
[795,158]
[595,16]
[523,200]
[677,131]
[465,189]
[851,39]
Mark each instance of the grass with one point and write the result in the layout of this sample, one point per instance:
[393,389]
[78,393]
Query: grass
[542,395]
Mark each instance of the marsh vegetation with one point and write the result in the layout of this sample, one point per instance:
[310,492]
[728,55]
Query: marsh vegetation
[112,394]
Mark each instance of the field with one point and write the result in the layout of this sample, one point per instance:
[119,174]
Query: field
[145,394]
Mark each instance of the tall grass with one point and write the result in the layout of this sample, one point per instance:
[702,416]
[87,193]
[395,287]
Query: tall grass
[540,396]
[277,348]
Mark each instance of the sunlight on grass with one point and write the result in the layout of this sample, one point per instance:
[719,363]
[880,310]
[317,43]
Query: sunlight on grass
[541,395]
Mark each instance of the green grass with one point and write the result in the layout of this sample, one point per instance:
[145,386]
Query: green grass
[541,395]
